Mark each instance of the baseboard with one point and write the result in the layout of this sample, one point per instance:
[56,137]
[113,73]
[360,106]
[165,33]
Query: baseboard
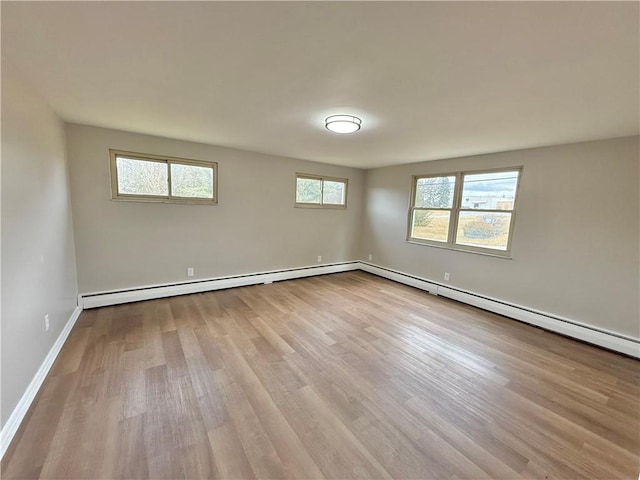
[565,326]
[594,335]
[11,426]
[399,277]
[102,299]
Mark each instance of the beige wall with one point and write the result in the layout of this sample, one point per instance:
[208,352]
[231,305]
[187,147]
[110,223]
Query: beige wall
[38,259]
[576,240]
[253,228]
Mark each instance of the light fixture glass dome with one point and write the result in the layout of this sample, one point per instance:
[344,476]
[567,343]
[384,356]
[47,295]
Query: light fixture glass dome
[342,123]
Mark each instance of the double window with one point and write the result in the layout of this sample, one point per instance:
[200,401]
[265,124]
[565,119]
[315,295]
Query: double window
[155,178]
[320,192]
[465,210]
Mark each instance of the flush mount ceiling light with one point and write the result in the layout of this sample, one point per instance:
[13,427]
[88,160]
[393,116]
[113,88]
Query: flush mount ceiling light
[342,123]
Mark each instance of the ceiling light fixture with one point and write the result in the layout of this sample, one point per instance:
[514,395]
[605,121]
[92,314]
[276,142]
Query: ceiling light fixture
[342,123]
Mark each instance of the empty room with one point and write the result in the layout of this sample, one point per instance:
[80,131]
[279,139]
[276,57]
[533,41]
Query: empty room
[306,240]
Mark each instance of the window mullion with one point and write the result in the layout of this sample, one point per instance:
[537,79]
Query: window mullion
[511,223]
[455,210]
[169,179]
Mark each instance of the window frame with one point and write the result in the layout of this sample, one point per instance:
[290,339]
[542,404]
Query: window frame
[456,209]
[148,157]
[322,179]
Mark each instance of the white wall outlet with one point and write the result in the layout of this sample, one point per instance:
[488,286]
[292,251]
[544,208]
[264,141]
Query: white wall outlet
[446,276]
[190,272]
[370,256]
[46,322]
[319,258]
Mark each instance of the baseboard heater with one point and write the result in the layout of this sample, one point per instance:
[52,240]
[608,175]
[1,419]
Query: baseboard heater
[115,297]
[564,326]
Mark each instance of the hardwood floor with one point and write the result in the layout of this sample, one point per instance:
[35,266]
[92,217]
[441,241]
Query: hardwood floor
[340,376]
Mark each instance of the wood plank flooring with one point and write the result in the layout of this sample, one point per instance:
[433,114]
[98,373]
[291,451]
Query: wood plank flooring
[339,376]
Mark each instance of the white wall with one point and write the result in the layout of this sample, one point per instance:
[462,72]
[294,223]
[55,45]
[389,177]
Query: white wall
[576,240]
[38,258]
[254,227]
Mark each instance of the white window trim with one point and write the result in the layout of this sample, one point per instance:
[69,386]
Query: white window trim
[116,195]
[322,179]
[456,208]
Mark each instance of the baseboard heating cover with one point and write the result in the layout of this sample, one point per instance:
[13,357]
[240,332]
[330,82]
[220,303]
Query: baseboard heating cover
[571,328]
[115,297]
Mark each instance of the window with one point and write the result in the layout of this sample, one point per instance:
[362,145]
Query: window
[472,211]
[320,192]
[136,176]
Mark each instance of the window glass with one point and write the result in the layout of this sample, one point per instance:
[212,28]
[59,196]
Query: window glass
[435,192]
[191,181]
[333,192]
[484,229]
[431,225]
[141,177]
[489,191]
[309,190]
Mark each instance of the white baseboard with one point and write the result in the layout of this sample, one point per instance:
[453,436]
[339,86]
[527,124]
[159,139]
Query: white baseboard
[102,299]
[597,336]
[11,426]
[571,328]
[399,277]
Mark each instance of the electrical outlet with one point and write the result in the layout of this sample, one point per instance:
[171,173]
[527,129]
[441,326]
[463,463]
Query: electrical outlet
[190,272]
[446,276]
[370,257]
[319,258]
[46,322]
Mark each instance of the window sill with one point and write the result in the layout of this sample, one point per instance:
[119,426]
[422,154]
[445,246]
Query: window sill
[185,201]
[320,207]
[502,255]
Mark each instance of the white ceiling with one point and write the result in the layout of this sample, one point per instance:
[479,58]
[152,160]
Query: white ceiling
[429,80]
